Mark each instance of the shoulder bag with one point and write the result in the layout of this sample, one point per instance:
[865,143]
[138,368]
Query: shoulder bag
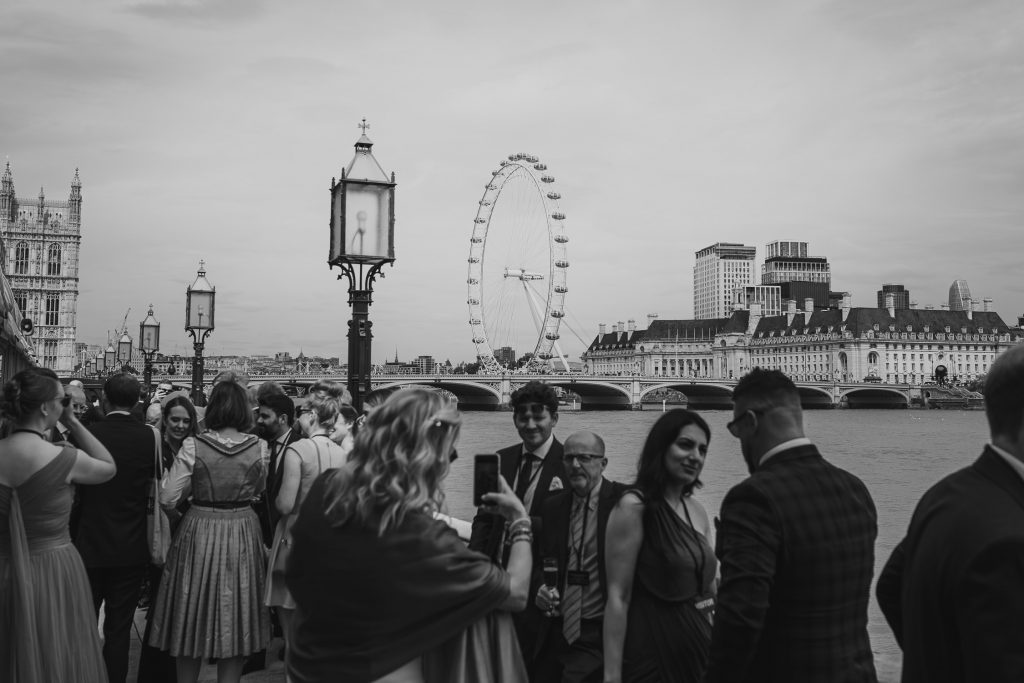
[158,528]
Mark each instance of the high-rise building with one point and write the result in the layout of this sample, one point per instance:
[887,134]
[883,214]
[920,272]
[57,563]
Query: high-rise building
[718,271]
[800,276]
[40,258]
[425,364]
[506,356]
[768,296]
[900,296]
[959,295]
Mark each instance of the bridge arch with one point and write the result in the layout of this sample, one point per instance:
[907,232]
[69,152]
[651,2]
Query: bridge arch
[471,395]
[596,395]
[874,397]
[698,396]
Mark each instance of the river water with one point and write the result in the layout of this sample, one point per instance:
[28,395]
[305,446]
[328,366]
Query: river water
[897,453]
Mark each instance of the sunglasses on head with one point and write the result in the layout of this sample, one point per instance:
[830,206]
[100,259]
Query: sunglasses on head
[65,400]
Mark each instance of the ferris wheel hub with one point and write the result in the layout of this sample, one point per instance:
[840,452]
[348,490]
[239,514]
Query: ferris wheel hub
[522,274]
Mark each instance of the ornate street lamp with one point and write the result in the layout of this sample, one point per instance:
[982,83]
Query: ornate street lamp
[149,344]
[109,357]
[362,241]
[124,350]
[199,302]
[100,363]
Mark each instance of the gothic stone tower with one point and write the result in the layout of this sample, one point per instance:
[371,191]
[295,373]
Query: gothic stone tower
[40,257]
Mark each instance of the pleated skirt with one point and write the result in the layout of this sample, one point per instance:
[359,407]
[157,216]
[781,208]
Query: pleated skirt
[210,602]
[62,644]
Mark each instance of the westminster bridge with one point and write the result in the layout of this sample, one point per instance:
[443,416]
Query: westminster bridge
[614,392]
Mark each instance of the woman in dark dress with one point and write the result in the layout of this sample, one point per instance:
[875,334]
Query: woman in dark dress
[661,567]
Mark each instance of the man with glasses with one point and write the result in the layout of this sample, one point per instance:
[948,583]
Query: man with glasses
[573,524]
[796,546]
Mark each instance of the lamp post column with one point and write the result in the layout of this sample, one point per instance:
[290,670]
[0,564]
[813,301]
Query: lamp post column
[360,339]
[198,397]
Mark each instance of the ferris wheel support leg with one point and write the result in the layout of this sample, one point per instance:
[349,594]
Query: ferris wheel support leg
[533,307]
[561,356]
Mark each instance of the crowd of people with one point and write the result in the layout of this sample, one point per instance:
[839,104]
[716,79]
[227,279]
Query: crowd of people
[324,526]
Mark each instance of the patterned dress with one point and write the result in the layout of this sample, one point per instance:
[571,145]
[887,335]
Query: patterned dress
[210,602]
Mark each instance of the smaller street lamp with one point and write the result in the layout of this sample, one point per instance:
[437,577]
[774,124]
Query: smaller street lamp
[100,362]
[199,307]
[149,344]
[109,357]
[124,349]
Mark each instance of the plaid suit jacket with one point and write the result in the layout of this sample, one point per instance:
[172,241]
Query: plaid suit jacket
[796,546]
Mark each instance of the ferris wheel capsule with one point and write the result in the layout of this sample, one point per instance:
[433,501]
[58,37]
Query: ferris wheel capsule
[558,216]
[561,264]
[554,195]
[561,239]
[480,220]
[547,179]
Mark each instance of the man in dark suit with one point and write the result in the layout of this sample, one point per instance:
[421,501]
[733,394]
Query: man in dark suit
[573,522]
[796,546]
[274,423]
[533,469]
[111,533]
[953,590]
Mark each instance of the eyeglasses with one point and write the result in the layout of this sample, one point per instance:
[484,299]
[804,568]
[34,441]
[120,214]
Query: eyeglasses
[583,458]
[734,426]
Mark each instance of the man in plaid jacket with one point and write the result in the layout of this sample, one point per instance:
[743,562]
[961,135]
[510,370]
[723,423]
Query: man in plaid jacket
[796,546]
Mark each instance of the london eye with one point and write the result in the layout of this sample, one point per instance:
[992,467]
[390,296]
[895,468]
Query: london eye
[517,268]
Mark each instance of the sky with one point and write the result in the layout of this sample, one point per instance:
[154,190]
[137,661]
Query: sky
[888,135]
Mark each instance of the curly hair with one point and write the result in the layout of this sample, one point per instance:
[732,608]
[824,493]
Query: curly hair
[400,457]
[650,477]
[27,391]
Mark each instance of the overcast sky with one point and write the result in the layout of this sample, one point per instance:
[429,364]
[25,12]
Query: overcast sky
[889,135]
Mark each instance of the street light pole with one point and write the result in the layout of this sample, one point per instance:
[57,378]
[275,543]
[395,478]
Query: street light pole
[362,241]
[149,344]
[199,320]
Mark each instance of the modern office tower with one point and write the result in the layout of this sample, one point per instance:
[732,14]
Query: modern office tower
[506,356]
[959,295]
[769,296]
[40,246]
[900,296]
[425,364]
[718,271]
[800,276]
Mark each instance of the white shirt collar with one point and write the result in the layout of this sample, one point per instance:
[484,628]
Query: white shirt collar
[1016,464]
[542,451]
[785,445]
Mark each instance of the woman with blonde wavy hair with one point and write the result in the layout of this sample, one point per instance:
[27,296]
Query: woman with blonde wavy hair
[384,592]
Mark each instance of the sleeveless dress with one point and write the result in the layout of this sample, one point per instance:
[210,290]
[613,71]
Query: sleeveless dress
[317,454]
[210,599]
[47,619]
[667,637]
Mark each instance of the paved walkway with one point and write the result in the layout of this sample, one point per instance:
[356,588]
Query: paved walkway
[274,673]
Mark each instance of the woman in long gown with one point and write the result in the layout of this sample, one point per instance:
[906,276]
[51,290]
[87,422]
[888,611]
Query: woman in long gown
[661,567]
[210,603]
[46,610]
[383,591]
[304,461]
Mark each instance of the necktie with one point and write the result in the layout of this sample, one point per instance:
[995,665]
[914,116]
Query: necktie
[572,601]
[523,481]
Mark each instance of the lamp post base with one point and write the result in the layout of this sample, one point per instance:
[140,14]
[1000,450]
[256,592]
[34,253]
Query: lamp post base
[198,397]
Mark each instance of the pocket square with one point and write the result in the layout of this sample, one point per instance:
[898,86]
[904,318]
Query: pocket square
[556,484]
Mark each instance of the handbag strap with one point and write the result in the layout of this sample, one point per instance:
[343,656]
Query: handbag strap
[157,459]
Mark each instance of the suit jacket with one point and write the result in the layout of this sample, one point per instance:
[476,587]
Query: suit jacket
[266,508]
[953,590]
[112,516]
[554,542]
[796,546]
[486,534]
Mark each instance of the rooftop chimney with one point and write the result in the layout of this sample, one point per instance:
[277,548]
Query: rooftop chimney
[929,307]
[808,309]
[846,305]
[969,307]
[621,327]
[945,307]
[890,305]
[601,329]
[986,304]
[755,317]
[913,305]
[651,317]
[790,311]
[632,325]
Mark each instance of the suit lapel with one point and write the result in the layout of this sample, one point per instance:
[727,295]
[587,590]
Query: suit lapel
[551,467]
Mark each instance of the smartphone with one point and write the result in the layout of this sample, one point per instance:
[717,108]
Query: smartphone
[485,476]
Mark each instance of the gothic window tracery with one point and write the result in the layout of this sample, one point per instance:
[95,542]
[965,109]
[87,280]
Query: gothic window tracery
[21,259]
[53,260]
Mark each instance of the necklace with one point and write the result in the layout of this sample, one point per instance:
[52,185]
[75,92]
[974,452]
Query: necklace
[30,431]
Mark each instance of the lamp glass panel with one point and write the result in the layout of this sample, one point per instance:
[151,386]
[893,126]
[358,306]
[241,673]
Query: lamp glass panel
[149,337]
[124,350]
[367,221]
[200,311]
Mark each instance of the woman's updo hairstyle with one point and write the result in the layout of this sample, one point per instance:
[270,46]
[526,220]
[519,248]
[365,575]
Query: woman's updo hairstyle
[25,392]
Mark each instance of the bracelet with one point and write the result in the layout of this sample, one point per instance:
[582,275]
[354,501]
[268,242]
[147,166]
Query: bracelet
[522,536]
[520,524]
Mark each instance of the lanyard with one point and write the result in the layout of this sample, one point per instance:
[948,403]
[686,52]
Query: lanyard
[583,533]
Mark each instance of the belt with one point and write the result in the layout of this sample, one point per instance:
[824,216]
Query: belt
[223,504]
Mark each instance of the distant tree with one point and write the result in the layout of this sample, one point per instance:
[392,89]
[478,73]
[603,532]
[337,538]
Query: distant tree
[170,369]
[472,368]
[976,384]
[524,360]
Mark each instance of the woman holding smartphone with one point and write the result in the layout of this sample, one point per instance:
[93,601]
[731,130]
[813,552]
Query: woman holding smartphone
[383,591]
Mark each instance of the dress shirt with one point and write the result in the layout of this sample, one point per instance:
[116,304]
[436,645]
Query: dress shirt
[593,602]
[1013,462]
[785,445]
[538,460]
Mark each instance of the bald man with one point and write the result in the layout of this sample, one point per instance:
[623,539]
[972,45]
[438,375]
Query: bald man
[573,529]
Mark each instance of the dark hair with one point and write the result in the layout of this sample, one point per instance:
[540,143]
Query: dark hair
[650,476]
[267,388]
[122,390]
[27,391]
[332,388]
[280,404]
[229,407]
[185,403]
[766,386]
[348,413]
[1004,397]
[535,391]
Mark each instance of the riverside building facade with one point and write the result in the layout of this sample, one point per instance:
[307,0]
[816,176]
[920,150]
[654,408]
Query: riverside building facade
[41,239]
[717,272]
[902,346]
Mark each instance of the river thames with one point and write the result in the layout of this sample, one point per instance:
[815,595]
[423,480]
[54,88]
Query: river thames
[897,453]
